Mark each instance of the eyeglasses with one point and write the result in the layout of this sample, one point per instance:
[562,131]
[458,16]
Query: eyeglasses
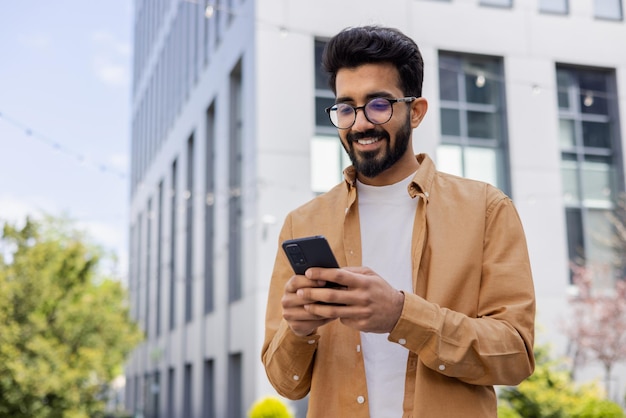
[377,111]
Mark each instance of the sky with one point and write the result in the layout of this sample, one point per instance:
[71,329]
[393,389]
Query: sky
[65,103]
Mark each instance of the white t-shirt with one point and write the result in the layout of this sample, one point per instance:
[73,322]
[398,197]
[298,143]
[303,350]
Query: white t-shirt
[386,216]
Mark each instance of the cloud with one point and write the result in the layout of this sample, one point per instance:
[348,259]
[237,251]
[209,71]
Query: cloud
[35,41]
[15,210]
[110,235]
[109,73]
[111,59]
[119,161]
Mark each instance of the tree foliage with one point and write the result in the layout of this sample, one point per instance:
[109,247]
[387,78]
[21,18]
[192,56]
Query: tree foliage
[597,322]
[551,393]
[269,407]
[64,329]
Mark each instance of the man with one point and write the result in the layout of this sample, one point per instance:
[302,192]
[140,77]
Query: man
[445,308]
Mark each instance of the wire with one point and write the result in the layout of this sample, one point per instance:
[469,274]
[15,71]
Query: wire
[58,147]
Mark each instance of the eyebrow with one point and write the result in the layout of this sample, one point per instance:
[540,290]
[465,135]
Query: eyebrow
[368,97]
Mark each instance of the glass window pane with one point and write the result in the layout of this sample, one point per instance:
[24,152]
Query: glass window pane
[597,182]
[503,3]
[566,133]
[325,163]
[575,237]
[481,83]
[450,122]
[553,6]
[321,117]
[571,192]
[608,9]
[449,159]
[321,78]
[448,80]
[449,71]
[593,92]
[600,252]
[564,81]
[482,125]
[596,134]
[481,164]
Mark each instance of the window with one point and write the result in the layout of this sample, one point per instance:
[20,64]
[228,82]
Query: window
[187,391]
[189,194]
[473,126]
[590,163]
[328,158]
[137,399]
[499,3]
[608,9]
[208,389]
[133,282]
[152,394]
[209,209]
[171,392]
[554,6]
[235,163]
[147,269]
[138,280]
[235,385]
[174,188]
[159,255]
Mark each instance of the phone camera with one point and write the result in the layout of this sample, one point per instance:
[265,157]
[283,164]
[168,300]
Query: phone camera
[296,254]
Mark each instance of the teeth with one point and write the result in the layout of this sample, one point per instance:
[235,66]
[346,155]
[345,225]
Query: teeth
[367,141]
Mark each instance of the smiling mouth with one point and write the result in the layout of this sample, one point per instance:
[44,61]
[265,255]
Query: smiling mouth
[367,141]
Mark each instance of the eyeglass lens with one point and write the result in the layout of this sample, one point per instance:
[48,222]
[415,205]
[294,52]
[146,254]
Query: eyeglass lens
[377,111]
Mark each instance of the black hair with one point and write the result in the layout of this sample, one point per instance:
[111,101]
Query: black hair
[356,46]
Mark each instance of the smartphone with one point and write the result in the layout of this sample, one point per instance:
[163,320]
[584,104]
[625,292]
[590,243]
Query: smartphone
[308,252]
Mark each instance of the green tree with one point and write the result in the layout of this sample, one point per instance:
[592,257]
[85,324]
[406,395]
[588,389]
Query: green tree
[64,328]
[551,393]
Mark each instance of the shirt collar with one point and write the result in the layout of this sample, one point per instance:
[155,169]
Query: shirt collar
[422,181]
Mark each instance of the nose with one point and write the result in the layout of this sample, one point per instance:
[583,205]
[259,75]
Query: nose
[361,123]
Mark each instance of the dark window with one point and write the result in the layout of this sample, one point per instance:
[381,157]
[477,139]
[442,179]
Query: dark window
[473,123]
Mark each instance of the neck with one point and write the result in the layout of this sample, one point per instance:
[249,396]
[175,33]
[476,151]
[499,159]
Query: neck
[400,170]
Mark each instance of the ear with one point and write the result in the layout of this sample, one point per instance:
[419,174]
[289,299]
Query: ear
[419,107]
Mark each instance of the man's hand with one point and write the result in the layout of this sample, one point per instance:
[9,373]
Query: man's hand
[370,303]
[301,321]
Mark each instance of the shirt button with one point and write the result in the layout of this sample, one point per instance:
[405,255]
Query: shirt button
[358,348]
[402,341]
[360,399]
[311,341]
[296,377]
[442,367]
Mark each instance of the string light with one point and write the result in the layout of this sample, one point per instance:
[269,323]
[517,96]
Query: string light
[480,81]
[209,11]
[482,77]
[60,148]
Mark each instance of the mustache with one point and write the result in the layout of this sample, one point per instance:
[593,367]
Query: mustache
[371,133]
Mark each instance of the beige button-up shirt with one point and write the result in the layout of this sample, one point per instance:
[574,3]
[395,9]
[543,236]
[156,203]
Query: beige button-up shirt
[468,325]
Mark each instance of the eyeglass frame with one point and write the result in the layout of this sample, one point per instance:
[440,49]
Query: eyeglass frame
[407,99]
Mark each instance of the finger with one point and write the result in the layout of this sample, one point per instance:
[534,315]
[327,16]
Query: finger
[341,276]
[298,281]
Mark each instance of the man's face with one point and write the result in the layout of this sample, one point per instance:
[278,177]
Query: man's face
[372,148]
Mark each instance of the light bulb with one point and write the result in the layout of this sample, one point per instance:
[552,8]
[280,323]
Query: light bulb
[209,11]
[480,81]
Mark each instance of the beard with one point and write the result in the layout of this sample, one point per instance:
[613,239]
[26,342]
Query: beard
[372,163]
